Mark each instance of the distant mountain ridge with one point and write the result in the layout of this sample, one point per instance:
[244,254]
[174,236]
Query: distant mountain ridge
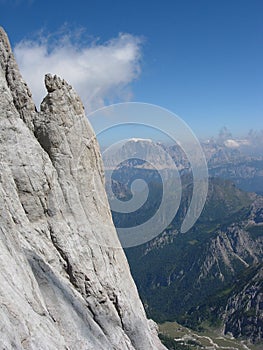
[233,163]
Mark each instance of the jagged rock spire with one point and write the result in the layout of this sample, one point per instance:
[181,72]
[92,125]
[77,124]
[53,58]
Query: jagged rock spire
[65,281]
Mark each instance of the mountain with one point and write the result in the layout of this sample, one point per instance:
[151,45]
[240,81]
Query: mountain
[138,153]
[210,275]
[235,160]
[203,277]
[65,281]
[242,165]
[243,312]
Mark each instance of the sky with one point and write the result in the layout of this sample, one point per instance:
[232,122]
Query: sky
[200,59]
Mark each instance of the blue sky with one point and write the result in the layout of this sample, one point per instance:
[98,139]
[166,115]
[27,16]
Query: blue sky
[201,59]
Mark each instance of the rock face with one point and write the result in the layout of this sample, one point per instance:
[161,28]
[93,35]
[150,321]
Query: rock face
[65,281]
[243,316]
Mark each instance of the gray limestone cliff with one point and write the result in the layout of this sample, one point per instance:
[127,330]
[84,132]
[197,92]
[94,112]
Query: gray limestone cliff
[65,281]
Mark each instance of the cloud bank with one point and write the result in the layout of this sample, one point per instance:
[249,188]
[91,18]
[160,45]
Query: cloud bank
[99,72]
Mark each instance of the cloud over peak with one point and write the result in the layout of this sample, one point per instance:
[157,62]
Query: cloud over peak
[99,72]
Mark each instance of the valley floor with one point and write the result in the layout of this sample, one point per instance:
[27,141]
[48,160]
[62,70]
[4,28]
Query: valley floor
[208,340]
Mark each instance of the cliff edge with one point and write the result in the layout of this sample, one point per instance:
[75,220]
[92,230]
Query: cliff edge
[65,281]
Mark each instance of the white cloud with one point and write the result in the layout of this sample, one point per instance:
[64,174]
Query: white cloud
[98,72]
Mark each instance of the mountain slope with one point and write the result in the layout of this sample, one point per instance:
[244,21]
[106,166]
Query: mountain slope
[243,315]
[190,277]
[65,281]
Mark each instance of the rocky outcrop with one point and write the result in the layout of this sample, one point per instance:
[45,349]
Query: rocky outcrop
[243,316]
[65,281]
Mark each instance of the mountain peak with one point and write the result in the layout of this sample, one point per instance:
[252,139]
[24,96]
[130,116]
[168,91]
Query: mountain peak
[4,42]
[136,139]
[61,97]
[10,75]
[65,281]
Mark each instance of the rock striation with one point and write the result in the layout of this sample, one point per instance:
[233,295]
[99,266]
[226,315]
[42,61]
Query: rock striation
[243,316]
[65,281]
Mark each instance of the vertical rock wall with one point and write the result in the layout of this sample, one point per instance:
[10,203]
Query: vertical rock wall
[65,281]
